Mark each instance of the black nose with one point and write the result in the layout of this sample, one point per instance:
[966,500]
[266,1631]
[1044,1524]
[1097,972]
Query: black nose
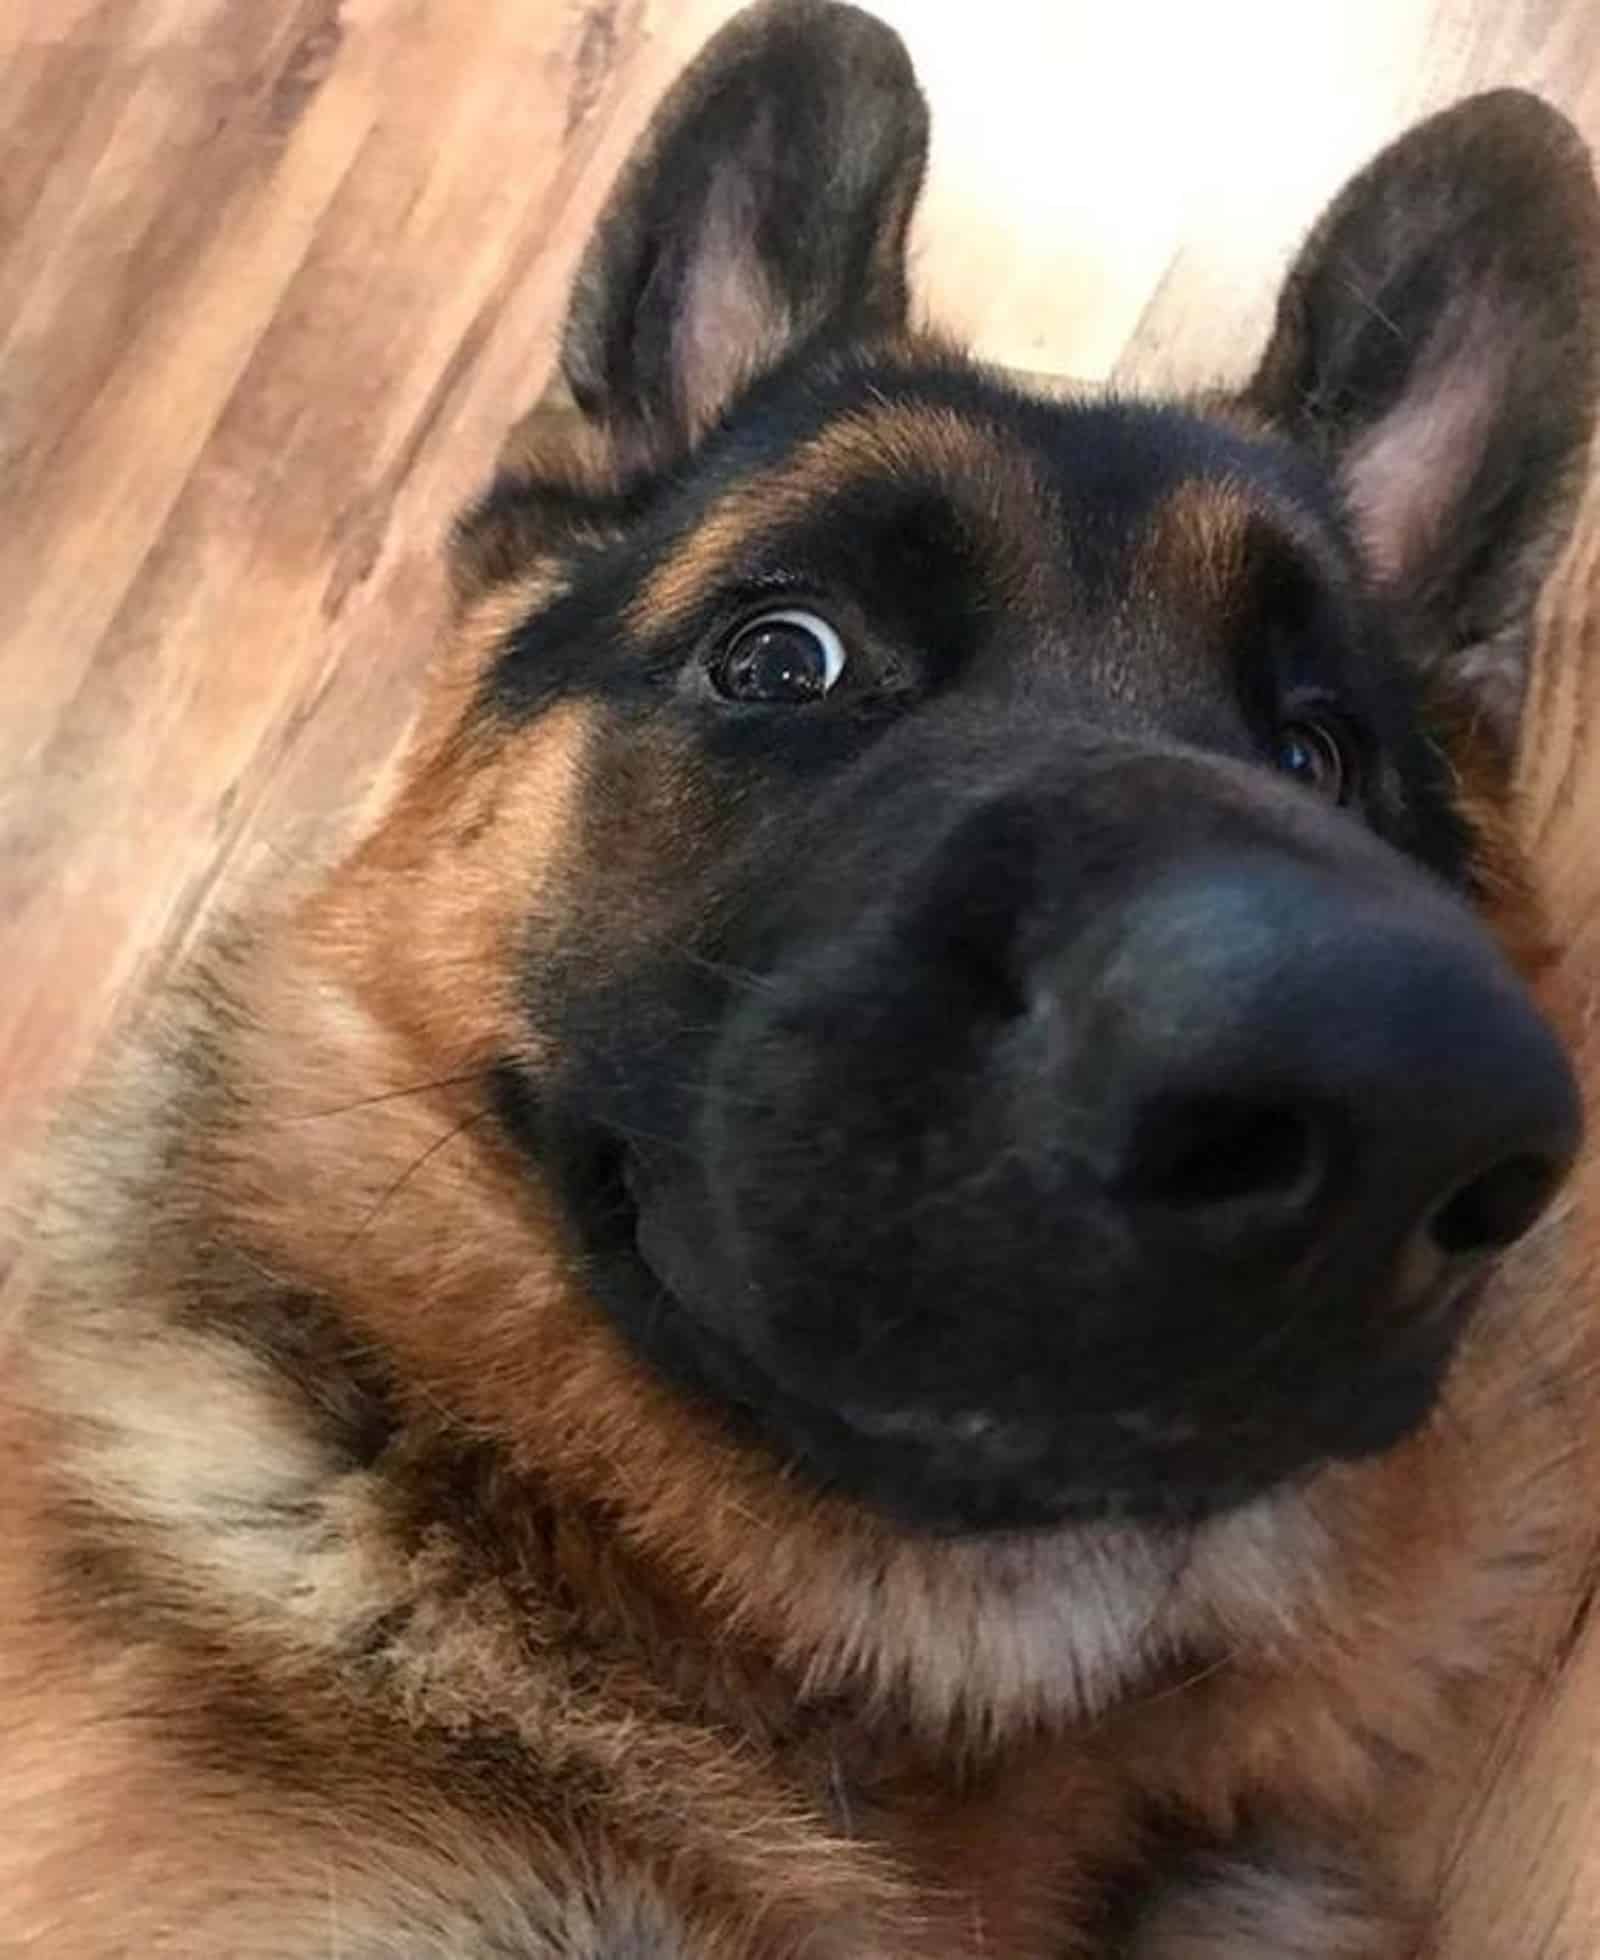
[1272,1062]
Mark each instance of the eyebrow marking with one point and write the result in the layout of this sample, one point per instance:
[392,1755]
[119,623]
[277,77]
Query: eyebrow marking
[987,475]
[1198,546]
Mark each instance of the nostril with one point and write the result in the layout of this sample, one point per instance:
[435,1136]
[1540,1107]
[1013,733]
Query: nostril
[1207,1151]
[1496,1208]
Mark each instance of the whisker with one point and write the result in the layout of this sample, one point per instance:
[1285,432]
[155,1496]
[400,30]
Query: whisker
[417,1164]
[741,976]
[1182,1686]
[390,1095]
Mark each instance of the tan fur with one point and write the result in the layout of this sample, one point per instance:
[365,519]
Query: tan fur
[1195,551]
[365,1596]
[452,996]
[983,474]
[708,1584]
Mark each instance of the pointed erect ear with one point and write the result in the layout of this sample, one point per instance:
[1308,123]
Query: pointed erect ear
[1436,344]
[769,201]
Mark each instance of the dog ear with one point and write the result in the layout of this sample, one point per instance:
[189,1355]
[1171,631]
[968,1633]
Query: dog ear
[1436,344]
[768,201]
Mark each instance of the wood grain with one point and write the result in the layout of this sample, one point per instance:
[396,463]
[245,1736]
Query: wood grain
[274,275]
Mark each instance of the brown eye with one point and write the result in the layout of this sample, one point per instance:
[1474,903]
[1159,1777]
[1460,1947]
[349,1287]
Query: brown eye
[1315,756]
[781,659]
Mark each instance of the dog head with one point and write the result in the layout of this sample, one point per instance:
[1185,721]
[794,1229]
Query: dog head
[994,915]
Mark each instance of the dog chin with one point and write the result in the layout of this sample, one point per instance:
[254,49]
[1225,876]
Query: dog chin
[978,1471]
[971,1474]
[982,1469]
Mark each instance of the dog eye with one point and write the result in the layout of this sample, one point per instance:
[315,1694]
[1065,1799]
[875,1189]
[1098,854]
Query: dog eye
[781,659]
[1316,756]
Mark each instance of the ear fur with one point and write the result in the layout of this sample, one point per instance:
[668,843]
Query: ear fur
[1436,344]
[768,203]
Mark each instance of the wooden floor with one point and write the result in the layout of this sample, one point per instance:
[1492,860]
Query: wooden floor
[275,273]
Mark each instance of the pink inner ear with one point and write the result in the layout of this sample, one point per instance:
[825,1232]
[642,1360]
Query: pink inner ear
[1408,479]
[731,321]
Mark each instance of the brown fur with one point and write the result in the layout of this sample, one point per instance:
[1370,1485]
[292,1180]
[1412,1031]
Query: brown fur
[1197,550]
[984,477]
[365,1596]
[319,1652]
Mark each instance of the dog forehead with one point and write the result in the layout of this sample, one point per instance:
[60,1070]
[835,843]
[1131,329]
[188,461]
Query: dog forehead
[905,471]
[954,513]
[1045,506]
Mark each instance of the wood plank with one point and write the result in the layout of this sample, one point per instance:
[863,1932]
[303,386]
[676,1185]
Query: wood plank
[274,275]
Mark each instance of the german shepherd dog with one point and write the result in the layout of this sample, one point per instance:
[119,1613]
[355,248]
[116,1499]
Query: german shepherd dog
[846,1293]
